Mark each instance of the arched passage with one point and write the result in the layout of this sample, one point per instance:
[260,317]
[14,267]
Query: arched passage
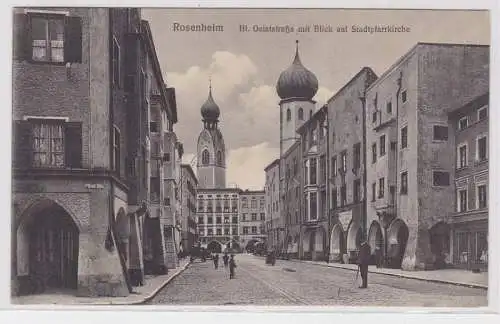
[440,243]
[397,237]
[375,237]
[214,247]
[337,243]
[354,237]
[47,248]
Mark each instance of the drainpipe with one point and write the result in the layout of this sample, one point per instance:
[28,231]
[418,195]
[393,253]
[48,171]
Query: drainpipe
[364,204]
[327,169]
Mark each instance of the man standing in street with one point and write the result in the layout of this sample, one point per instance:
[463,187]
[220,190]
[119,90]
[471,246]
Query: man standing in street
[225,258]
[232,266]
[363,261]
[216,261]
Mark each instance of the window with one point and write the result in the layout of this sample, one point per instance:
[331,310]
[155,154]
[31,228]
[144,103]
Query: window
[226,230]
[288,115]
[462,156]
[334,198]
[243,217]
[154,127]
[481,196]
[322,169]
[404,183]
[344,162]
[313,205]
[334,166]
[210,232]
[404,137]
[374,191]
[356,156]
[47,38]
[482,149]
[200,220]
[254,216]
[116,62]
[381,187]
[310,113]
[234,219]
[462,200]
[166,202]
[343,196]
[382,145]
[218,220]
[482,113]
[357,190]
[210,220]
[226,219]
[301,114]
[262,216]
[312,171]
[253,203]
[403,96]
[441,178]
[116,150]
[440,133]
[254,229]
[374,152]
[374,116]
[245,230]
[463,123]
[48,143]
[205,157]
[218,231]
[389,107]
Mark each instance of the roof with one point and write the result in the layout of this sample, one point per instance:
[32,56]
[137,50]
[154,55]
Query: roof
[475,103]
[291,149]
[148,38]
[412,51]
[252,192]
[270,165]
[365,69]
[216,190]
[190,171]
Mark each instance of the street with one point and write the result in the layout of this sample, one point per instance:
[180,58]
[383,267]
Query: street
[295,284]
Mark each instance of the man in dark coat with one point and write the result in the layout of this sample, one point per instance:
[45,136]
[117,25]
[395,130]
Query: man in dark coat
[232,266]
[225,258]
[216,261]
[363,261]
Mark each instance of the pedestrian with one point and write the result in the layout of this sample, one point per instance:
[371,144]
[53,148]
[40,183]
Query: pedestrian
[225,258]
[216,261]
[232,266]
[363,261]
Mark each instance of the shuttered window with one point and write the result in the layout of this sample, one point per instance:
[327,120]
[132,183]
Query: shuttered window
[47,38]
[46,143]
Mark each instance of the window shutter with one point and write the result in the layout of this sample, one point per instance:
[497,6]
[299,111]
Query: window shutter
[73,144]
[73,39]
[21,37]
[22,146]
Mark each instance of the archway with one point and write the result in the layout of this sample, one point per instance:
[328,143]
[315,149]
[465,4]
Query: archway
[233,246]
[306,245]
[354,238]
[47,249]
[152,246]
[397,237]
[337,243]
[214,247]
[440,243]
[376,241]
[319,244]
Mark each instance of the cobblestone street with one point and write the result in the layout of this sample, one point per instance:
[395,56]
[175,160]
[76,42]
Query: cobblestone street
[293,283]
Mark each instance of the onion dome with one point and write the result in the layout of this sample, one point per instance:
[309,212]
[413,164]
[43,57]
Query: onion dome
[210,110]
[297,81]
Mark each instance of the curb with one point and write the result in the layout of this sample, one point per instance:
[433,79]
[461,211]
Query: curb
[147,298]
[478,286]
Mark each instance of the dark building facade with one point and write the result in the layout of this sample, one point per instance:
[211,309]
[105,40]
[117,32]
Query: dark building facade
[188,191]
[81,149]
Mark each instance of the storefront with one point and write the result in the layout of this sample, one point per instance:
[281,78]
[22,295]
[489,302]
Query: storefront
[470,245]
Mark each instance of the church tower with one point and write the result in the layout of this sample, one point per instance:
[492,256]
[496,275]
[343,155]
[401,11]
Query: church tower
[296,87]
[211,152]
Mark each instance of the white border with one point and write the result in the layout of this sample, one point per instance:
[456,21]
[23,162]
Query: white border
[127,315]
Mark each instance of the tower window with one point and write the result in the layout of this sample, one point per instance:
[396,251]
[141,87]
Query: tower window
[288,115]
[219,157]
[310,113]
[301,114]
[205,157]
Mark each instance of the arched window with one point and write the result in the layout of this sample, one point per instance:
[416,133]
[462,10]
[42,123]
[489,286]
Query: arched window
[288,115]
[310,113]
[301,114]
[205,157]
[219,157]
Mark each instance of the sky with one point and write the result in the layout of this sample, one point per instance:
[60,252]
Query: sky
[244,66]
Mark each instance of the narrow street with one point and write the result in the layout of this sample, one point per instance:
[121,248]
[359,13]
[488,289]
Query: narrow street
[295,284]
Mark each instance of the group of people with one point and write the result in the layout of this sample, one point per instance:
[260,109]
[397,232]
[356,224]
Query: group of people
[228,261]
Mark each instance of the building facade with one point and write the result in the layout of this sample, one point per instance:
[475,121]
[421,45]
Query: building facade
[271,193]
[347,158]
[81,154]
[188,191]
[407,118]
[218,218]
[252,217]
[468,127]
